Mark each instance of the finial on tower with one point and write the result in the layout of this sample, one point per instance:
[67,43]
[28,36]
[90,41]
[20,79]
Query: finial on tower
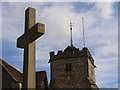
[71,41]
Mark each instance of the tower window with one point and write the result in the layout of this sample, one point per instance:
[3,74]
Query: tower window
[68,67]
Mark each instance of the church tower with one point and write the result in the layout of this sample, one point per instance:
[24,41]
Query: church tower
[72,68]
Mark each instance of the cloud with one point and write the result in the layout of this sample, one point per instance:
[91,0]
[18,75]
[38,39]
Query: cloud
[105,9]
[60,1]
[14,21]
[105,72]
[100,32]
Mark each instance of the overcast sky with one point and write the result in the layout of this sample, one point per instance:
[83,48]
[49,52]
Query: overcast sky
[101,33]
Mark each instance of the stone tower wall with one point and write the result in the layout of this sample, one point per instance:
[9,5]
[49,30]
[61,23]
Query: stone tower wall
[91,70]
[62,79]
[82,73]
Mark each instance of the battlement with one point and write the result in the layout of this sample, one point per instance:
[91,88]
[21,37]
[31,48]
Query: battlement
[53,53]
[69,52]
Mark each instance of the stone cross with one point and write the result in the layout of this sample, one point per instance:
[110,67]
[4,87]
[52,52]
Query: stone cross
[27,42]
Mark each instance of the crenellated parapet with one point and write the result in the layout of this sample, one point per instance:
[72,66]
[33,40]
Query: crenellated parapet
[69,52]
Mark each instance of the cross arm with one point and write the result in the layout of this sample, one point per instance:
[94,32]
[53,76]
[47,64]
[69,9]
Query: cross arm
[35,32]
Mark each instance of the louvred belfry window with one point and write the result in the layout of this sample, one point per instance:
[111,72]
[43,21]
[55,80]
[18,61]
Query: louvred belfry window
[68,67]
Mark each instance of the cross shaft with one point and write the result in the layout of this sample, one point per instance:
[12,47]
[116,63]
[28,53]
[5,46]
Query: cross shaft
[27,42]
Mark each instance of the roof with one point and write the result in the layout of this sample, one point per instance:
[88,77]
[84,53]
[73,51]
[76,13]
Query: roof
[14,73]
[41,76]
[17,75]
[70,48]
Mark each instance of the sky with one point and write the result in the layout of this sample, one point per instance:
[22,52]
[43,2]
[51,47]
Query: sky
[101,34]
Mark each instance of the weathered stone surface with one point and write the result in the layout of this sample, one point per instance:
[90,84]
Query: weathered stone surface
[82,70]
[35,32]
[27,41]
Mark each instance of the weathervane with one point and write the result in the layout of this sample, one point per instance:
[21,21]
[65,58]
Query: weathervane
[71,25]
